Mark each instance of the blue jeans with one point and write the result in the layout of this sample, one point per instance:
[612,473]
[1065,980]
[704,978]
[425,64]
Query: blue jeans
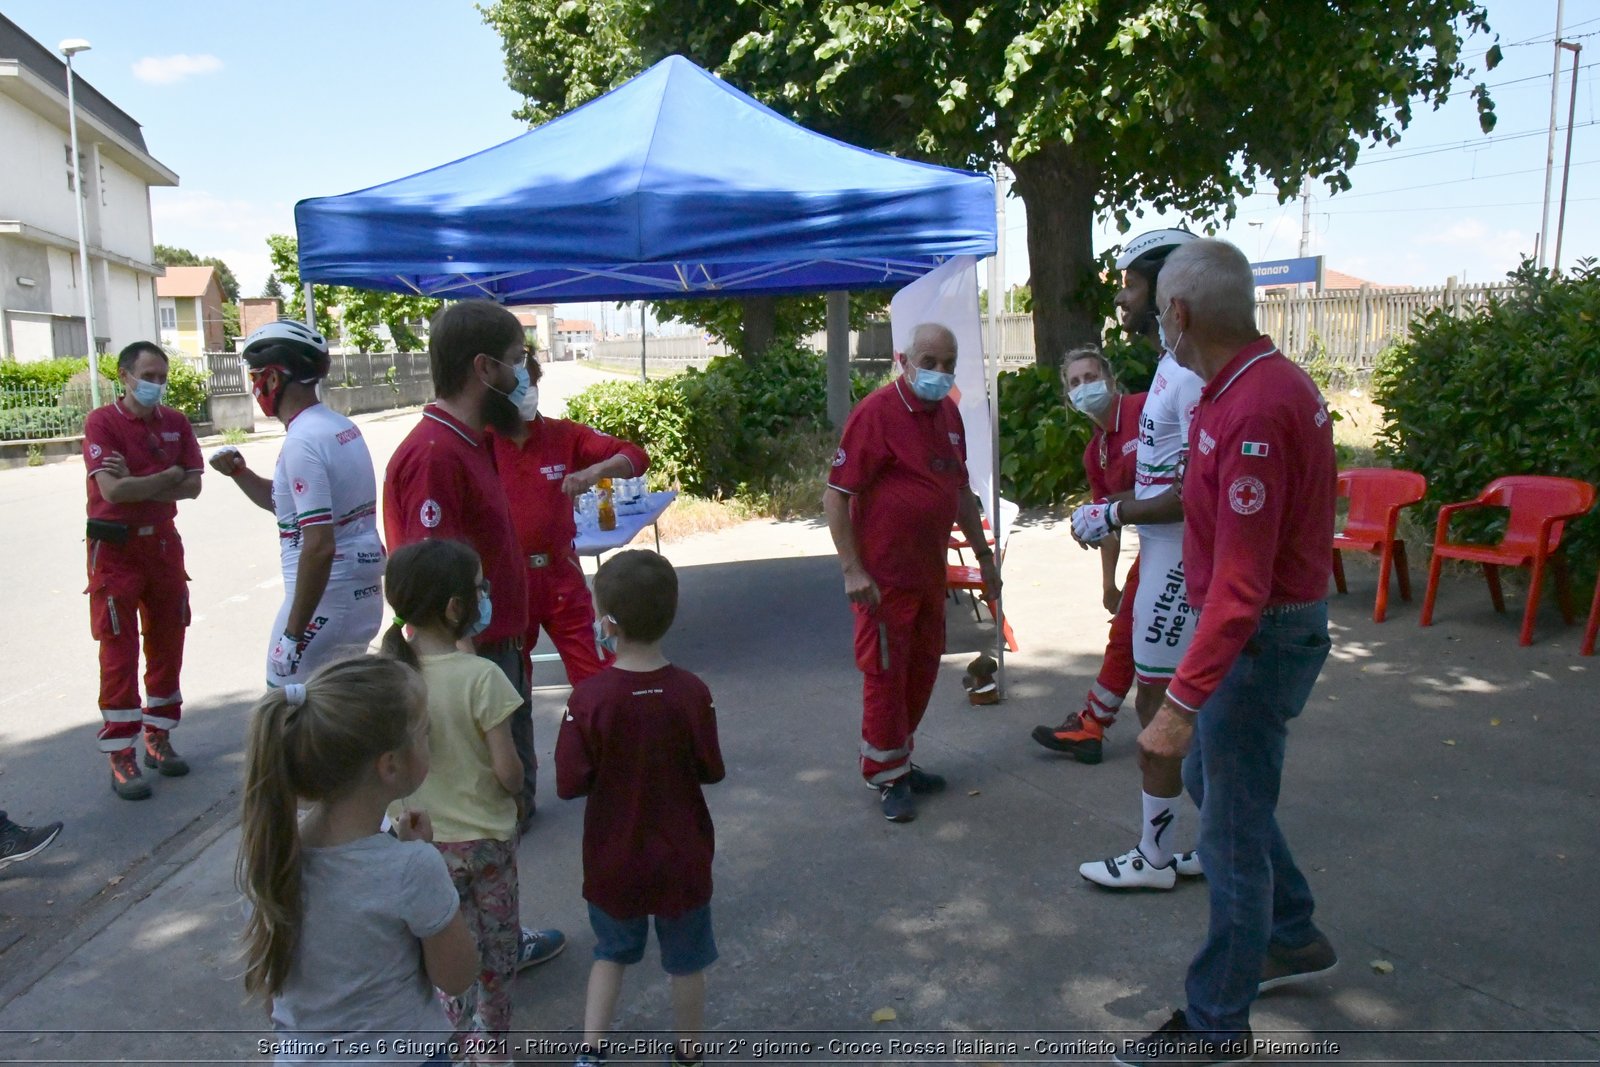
[1233,770]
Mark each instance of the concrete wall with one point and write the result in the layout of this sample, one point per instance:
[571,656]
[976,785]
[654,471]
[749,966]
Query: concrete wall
[364,398]
[35,190]
[233,411]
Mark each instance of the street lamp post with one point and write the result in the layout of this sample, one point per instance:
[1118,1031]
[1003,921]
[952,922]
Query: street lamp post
[69,48]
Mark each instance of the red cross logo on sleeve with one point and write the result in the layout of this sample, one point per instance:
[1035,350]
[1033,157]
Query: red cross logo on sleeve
[1247,495]
[299,487]
[430,513]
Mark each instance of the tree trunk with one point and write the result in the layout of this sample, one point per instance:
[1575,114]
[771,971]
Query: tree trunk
[1059,189]
[760,325]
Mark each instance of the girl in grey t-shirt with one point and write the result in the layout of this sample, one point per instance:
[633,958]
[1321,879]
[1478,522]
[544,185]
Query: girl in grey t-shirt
[350,929]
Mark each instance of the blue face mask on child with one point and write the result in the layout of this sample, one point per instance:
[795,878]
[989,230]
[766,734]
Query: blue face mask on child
[606,641]
[485,613]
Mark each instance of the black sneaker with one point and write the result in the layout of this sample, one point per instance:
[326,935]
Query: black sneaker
[1175,1045]
[1291,966]
[923,782]
[23,842]
[896,801]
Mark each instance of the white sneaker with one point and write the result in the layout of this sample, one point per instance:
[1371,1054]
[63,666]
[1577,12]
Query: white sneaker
[1188,864]
[1129,871]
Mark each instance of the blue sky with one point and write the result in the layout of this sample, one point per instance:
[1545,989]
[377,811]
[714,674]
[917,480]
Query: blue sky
[257,106]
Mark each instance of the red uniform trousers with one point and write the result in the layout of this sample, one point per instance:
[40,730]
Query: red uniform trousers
[897,648]
[138,584]
[1116,667]
[559,601]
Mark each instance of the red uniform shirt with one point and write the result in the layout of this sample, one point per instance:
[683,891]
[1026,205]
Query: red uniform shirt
[532,474]
[904,465]
[441,482]
[1258,494]
[1110,457]
[149,445]
[640,746]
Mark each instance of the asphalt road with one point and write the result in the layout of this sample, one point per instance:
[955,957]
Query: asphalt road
[50,767]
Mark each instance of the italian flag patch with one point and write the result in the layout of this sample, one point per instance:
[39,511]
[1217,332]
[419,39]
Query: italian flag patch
[1254,448]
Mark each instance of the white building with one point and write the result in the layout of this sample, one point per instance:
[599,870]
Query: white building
[41,309]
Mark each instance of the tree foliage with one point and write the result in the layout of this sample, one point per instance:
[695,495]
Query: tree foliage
[353,315]
[169,256]
[273,288]
[1098,106]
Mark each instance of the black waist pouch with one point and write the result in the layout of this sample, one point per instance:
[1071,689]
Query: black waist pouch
[112,533]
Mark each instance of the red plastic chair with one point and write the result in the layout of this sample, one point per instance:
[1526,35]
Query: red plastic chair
[1592,631]
[1540,508]
[971,580]
[1376,496]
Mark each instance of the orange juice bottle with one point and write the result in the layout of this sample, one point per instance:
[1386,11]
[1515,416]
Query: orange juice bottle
[607,512]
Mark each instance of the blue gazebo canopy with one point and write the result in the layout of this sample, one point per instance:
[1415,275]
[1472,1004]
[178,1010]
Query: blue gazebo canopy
[675,184]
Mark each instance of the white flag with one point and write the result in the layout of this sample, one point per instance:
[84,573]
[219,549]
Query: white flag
[948,296]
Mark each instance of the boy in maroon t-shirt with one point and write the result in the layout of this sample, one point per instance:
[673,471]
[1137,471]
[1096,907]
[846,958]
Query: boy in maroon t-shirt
[639,740]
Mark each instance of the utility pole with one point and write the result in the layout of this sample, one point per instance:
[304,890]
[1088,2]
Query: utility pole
[1305,223]
[1566,165]
[1550,149]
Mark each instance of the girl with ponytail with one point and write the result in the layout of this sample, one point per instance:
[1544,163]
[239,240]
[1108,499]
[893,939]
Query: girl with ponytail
[437,589]
[350,929]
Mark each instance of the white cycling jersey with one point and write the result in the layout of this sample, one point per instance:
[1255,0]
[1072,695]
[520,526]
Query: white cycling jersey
[1164,439]
[324,477]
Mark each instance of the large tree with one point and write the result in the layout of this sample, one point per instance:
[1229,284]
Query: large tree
[1098,106]
[360,311]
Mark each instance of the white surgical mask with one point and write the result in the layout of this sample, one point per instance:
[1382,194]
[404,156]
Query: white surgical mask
[1161,333]
[931,385]
[528,407]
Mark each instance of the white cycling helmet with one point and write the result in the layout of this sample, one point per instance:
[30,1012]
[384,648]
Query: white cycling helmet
[290,344]
[1147,250]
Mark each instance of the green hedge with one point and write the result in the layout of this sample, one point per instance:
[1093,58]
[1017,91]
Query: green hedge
[1042,439]
[25,385]
[724,431]
[1509,388]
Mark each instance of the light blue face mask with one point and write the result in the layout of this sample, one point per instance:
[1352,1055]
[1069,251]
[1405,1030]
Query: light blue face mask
[931,385]
[606,641]
[1091,398]
[520,390]
[485,613]
[149,394]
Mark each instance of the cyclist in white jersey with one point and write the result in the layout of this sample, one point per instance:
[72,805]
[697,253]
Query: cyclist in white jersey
[325,497]
[1162,619]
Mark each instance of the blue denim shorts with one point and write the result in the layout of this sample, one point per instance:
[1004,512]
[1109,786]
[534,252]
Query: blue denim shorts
[687,945]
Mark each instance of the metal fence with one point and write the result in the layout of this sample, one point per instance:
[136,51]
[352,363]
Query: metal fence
[34,412]
[1349,327]
[227,373]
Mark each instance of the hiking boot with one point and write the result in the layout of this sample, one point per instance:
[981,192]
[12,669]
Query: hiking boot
[159,755]
[895,798]
[1291,966]
[923,782]
[1188,864]
[23,842]
[1078,737]
[539,946]
[1177,1045]
[1129,871]
[126,780]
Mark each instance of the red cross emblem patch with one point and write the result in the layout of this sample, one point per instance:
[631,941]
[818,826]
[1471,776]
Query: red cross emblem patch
[299,487]
[1247,495]
[430,513]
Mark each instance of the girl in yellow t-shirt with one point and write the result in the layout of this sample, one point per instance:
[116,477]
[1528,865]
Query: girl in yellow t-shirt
[437,588]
